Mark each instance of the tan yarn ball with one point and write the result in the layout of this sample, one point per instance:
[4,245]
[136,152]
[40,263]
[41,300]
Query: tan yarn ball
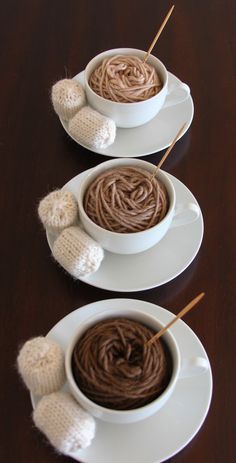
[68,97]
[58,210]
[41,365]
[92,129]
[66,425]
[77,252]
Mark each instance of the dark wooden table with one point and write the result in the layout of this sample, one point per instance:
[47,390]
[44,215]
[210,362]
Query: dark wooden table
[42,42]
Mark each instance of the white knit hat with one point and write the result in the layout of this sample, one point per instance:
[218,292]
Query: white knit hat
[92,128]
[41,365]
[68,97]
[66,425]
[58,210]
[77,252]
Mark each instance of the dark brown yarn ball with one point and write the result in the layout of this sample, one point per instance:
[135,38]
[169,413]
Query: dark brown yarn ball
[114,368]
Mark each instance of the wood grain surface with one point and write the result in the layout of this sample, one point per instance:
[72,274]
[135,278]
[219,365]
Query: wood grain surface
[42,41]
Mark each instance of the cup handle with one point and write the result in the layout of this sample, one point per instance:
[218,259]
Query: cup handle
[177,93]
[193,367]
[184,214]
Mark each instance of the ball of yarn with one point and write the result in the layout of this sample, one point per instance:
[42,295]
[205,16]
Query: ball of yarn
[66,425]
[125,200]
[77,252]
[125,79]
[92,129]
[58,210]
[41,365]
[113,367]
[68,97]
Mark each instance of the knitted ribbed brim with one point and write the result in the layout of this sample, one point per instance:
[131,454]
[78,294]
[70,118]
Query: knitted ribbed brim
[92,128]
[77,252]
[66,425]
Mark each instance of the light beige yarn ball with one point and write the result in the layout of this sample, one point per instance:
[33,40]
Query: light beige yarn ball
[66,425]
[41,365]
[92,129]
[77,252]
[68,97]
[58,210]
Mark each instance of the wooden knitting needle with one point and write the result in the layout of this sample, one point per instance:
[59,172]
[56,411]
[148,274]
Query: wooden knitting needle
[168,151]
[158,34]
[186,309]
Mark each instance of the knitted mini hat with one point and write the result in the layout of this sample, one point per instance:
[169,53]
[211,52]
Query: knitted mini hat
[58,210]
[68,97]
[41,365]
[92,128]
[66,425]
[77,252]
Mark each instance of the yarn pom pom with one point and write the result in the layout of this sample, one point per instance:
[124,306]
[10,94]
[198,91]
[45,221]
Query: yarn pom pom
[92,128]
[77,252]
[58,210]
[68,97]
[41,365]
[66,425]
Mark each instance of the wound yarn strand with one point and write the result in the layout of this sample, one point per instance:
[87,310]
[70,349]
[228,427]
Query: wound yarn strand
[125,79]
[125,200]
[113,367]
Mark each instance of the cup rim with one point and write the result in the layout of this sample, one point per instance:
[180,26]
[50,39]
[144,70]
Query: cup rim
[118,163]
[114,51]
[103,316]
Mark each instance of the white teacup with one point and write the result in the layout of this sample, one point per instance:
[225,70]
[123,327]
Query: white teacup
[129,115]
[181,368]
[132,243]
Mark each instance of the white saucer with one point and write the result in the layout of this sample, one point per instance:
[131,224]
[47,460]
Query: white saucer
[149,138]
[161,436]
[151,268]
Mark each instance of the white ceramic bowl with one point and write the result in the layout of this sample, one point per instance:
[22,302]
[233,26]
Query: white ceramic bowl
[132,243]
[129,115]
[181,367]
[123,416]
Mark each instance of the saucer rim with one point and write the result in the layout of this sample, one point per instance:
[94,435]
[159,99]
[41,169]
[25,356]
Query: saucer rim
[161,313]
[145,287]
[108,151]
